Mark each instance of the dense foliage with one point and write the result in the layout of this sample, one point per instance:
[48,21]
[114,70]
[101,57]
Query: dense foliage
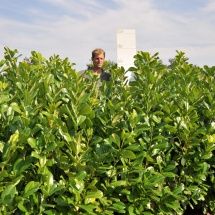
[73,145]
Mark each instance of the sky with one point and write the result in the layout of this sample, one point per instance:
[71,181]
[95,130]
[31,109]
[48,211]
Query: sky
[73,28]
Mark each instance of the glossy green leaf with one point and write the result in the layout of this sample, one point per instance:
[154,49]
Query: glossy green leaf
[118,207]
[85,109]
[80,119]
[94,194]
[128,154]
[116,139]
[164,209]
[161,146]
[22,207]
[178,189]
[31,188]
[15,107]
[81,175]
[169,168]
[50,147]
[89,208]
[21,165]
[154,180]
[50,79]
[32,142]
[8,193]
[174,205]
[169,174]
[118,183]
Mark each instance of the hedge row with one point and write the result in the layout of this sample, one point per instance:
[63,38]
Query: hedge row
[70,145]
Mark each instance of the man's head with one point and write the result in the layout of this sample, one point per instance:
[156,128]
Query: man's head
[98,57]
[96,52]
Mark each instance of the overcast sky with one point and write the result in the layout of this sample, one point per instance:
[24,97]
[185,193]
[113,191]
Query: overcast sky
[73,28]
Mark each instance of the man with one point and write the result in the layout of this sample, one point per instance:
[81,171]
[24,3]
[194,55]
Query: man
[98,58]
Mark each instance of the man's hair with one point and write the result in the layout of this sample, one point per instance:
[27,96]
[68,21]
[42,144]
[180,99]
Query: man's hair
[97,52]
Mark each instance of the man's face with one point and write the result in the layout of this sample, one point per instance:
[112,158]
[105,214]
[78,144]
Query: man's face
[98,61]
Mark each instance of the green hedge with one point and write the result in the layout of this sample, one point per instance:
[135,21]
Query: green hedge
[70,145]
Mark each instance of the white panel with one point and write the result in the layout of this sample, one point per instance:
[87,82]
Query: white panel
[126,40]
[126,46]
[126,49]
[127,31]
[125,56]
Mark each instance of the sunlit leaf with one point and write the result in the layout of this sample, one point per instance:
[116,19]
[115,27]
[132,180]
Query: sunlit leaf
[31,188]
[94,194]
[8,193]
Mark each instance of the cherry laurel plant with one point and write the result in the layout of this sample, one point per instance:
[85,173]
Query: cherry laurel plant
[75,145]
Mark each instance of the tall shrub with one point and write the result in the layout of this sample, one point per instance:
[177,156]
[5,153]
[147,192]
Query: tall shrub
[75,145]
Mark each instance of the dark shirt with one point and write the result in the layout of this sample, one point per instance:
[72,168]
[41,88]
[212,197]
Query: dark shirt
[104,76]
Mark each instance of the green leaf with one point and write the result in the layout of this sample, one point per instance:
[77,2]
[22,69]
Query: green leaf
[170,128]
[157,192]
[169,168]
[50,147]
[32,142]
[118,183]
[207,155]
[83,97]
[85,109]
[153,180]
[169,174]
[8,193]
[50,79]
[183,161]
[14,137]
[4,98]
[49,212]
[89,208]
[54,188]
[94,194]
[22,207]
[178,189]
[118,207]
[164,209]
[148,213]
[173,204]
[3,174]
[211,138]
[36,155]
[128,154]
[15,107]
[81,175]
[116,139]
[66,136]
[19,85]
[161,146]
[138,161]
[21,165]
[80,119]
[134,147]
[131,210]
[31,188]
